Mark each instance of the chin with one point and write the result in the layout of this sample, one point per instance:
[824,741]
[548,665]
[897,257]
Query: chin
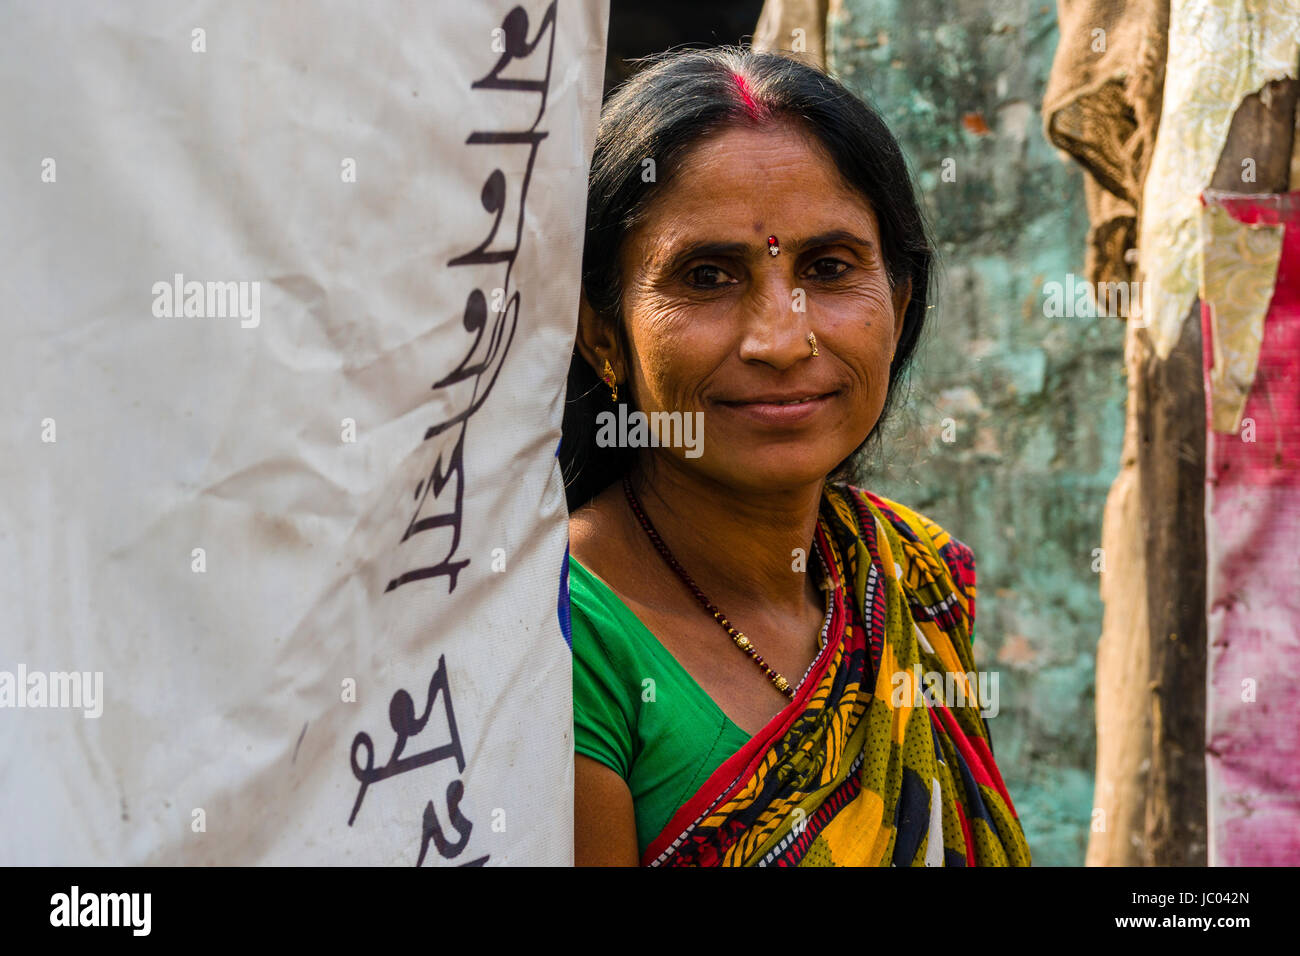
[782,469]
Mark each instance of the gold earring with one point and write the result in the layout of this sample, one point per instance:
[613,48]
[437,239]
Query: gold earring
[812,341]
[607,376]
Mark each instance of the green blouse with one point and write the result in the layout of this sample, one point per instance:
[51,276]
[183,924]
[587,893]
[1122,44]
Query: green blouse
[637,710]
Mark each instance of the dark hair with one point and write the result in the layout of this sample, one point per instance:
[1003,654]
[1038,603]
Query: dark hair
[662,112]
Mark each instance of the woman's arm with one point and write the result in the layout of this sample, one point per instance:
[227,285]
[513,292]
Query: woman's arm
[604,825]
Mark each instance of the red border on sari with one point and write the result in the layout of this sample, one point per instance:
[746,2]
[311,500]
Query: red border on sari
[737,769]
[975,751]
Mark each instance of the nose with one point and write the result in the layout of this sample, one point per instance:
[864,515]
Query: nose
[775,331]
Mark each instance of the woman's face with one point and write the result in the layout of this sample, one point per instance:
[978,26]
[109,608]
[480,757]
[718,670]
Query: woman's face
[716,324]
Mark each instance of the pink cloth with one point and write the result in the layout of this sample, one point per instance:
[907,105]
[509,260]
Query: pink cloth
[1252,517]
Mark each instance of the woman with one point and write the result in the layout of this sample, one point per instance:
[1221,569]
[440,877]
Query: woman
[750,633]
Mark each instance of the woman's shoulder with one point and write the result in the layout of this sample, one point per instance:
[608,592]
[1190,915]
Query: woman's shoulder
[921,532]
[589,599]
[603,626]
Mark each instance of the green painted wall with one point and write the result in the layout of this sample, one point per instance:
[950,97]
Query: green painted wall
[1036,404]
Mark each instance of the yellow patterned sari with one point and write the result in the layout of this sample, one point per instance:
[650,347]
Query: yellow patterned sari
[871,764]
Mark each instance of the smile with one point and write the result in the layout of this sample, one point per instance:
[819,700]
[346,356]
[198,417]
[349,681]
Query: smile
[778,409]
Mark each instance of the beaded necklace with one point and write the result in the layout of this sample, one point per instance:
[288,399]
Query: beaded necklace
[741,641]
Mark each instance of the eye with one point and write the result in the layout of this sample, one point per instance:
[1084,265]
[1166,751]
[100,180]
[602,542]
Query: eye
[708,277]
[827,268]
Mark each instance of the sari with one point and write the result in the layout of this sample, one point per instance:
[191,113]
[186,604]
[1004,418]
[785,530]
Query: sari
[868,765]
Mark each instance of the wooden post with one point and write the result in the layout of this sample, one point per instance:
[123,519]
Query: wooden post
[1171,453]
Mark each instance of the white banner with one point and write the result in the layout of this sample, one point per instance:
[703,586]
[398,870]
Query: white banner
[290,291]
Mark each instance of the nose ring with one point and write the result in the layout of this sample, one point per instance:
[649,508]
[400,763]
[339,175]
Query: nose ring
[812,342]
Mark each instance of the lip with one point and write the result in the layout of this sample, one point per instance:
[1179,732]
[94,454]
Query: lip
[769,410]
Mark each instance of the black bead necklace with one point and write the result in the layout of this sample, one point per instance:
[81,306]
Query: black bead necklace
[741,641]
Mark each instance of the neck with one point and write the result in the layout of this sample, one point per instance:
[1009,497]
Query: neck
[737,546]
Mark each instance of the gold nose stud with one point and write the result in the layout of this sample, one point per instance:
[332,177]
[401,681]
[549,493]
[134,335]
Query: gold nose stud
[812,342]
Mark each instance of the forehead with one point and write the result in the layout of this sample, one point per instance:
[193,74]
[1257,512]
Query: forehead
[743,181]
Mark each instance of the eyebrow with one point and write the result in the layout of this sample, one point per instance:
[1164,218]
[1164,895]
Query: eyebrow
[698,250]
